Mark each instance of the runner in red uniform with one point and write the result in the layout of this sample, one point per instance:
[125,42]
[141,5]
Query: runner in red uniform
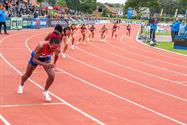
[114,30]
[73,29]
[128,33]
[58,28]
[42,56]
[103,32]
[66,40]
[91,35]
[83,32]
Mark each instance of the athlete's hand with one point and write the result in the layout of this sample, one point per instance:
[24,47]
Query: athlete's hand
[49,65]
[58,51]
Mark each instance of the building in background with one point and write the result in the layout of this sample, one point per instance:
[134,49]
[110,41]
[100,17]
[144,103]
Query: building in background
[110,9]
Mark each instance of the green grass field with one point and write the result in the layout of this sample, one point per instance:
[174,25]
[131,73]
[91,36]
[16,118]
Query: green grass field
[164,33]
[169,46]
[160,33]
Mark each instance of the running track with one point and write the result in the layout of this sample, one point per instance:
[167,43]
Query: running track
[117,82]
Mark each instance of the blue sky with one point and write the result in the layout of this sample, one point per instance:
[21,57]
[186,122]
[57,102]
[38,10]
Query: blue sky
[111,1]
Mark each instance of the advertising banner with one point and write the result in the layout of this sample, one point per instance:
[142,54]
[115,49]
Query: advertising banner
[13,23]
[54,22]
[33,23]
[129,13]
[25,24]
[43,22]
[19,23]
[8,23]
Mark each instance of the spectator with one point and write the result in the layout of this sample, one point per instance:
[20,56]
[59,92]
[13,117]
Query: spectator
[36,14]
[185,30]
[153,28]
[173,29]
[142,28]
[3,19]
[182,28]
[177,26]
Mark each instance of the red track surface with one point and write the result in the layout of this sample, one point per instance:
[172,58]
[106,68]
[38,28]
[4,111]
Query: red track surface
[119,82]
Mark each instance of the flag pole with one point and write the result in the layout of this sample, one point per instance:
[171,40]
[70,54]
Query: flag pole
[176,13]
[185,18]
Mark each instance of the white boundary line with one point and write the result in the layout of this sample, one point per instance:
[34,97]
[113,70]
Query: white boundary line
[143,56]
[122,98]
[115,95]
[139,61]
[4,120]
[125,79]
[117,76]
[150,50]
[130,68]
[34,104]
[177,82]
[139,41]
[60,99]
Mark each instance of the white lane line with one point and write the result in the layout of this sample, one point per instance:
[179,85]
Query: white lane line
[4,120]
[114,75]
[140,42]
[124,99]
[125,79]
[146,56]
[150,51]
[60,99]
[57,97]
[117,96]
[146,73]
[134,53]
[131,59]
[28,105]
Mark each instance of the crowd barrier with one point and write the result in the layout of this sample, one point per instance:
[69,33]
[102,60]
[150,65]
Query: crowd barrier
[180,42]
[90,22]
[26,23]
[102,21]
[132,22]
[54,22]
[159,29]
[16,23]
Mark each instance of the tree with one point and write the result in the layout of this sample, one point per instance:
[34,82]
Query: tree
[140,5]
[40,1]
[169,7]
[104,13]
[73,4]
[61,3]
[88,6]
[182,6]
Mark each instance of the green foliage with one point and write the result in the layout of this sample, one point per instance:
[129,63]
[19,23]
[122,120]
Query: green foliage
[182,5]
[61,3]
[139,5]
[104,13]
[40,1]
[170,6]
[170,46]
[73,4]
[86,6]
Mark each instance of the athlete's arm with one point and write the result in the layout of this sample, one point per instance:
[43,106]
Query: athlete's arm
[37,55]
[47,37]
